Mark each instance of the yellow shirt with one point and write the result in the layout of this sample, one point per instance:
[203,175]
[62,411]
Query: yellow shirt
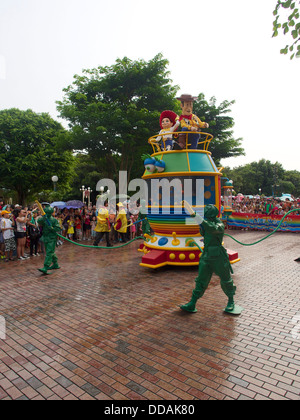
[122,216]
[193,122]
[102,221]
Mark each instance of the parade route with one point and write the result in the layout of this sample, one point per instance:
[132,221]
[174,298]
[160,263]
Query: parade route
[104,328]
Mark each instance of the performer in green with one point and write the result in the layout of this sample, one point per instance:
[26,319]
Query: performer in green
[213,260]
[50,228]
[142,216]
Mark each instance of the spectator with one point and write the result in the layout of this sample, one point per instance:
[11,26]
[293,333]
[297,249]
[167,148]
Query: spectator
[86,225]
[78,228]
[21,225]
[7,229]
[93,226]
[34,234]
[71,224]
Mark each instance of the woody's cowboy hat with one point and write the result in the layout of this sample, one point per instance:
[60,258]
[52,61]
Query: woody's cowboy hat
[187,98]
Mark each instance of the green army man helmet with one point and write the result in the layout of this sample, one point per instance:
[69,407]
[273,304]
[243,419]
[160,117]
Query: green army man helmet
[49,210]
[210,211]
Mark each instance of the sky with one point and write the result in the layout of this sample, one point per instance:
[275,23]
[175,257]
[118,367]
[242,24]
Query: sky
[220,48]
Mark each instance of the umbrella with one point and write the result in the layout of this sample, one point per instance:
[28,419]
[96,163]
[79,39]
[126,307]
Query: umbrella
[59,204]
[74,204]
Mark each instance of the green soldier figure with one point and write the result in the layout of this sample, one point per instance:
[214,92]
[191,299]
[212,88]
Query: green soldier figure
[50,228]
[213,260]
[142,216]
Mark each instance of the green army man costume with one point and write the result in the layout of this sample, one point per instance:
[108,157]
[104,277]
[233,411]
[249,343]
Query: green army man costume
[142,216]
[213,260]
[50,228]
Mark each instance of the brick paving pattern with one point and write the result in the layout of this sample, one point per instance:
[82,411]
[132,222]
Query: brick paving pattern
[104,328]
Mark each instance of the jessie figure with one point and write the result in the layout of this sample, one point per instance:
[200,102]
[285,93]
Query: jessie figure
[169,123]
[189,122]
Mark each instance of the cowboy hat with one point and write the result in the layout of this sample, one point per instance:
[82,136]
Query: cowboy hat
[187,98]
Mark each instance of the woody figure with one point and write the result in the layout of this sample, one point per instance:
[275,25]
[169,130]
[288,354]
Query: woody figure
[189,122]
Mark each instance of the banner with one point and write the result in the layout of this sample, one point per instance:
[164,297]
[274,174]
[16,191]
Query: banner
[254,221]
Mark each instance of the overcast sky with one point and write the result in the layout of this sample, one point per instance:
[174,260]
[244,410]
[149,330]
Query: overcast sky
[221,48]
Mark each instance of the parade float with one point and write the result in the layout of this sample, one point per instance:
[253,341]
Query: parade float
[175,238]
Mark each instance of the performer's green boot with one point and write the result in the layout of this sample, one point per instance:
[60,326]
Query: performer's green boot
[54,266]
[191,306]
[44,270]
[232,308]
[230,305]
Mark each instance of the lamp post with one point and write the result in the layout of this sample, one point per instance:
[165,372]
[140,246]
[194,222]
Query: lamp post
[86,192]
[54,179]
[89,195]
[83,190]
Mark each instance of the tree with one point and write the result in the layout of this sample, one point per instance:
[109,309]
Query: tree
[113,110]
[271,178]
[289,25]
[29,153]
[294,178]
[220,124]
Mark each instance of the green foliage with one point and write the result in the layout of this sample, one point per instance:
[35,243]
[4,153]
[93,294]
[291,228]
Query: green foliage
[113,110]
[271,178]
[290,25]
[220,126]
[88,171]
[30,155]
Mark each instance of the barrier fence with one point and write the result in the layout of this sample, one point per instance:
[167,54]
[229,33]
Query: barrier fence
[265,222]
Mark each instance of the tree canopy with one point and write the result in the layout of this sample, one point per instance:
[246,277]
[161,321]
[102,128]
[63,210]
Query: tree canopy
[113,110]
[30,154]
[287,20]
[220,126]
[270,178]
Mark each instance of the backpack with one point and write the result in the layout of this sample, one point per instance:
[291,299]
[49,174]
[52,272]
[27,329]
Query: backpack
[34,232]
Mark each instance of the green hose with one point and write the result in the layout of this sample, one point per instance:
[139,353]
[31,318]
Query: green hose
[265,237]
[104,247]
[141,237]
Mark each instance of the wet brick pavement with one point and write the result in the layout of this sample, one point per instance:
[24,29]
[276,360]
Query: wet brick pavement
[104,328]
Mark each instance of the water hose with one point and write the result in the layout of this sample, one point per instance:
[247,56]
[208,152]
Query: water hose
[104,247]
[193,243]
[265,237]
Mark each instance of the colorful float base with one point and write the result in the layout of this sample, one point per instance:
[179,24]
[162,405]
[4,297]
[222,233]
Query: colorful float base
[156,257]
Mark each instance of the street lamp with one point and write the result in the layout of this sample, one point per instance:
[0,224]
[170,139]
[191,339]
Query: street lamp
[54,180]
[86,192]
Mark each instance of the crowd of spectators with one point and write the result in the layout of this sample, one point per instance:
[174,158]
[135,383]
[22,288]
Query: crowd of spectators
[21,235]
[265,205]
